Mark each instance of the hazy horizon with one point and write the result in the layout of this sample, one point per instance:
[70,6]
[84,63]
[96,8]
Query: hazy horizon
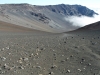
[89,3]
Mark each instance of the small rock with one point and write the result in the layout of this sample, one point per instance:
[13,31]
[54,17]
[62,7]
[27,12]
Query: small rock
[37,53]
[67,58]
[62,60]
[10,68]
[68,71]
[9,53]
[79,70]
[54,54]
[62,55]
[51,73]
[54,66]
[25,59]
[42,49]
[83,38]
[20,58]
[38,67]
[6,66]
[84,68]
[83,60]
[21,67]
[64,41]
[3,58]
[3,49]
[20,61]
[71,56]
[94,43]
[7,47]
[89,64]
[32,54]
[76,47]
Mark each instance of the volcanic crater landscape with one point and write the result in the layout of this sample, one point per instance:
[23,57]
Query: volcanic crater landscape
[38,41]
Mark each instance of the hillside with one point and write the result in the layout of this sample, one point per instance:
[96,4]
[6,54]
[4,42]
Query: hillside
[90,27]
[4,26]
[46,18]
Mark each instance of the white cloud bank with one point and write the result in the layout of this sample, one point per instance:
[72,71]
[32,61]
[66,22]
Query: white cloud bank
[83,20]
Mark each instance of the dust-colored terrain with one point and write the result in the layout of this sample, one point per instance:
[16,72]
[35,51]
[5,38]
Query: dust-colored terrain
[50,18]
[36,53]
[4,26]
[28,48]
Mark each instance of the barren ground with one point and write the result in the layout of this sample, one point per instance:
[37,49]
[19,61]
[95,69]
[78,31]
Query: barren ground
[27,53]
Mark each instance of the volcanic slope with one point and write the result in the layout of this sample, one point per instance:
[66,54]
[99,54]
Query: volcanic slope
[75,53]
[46,18]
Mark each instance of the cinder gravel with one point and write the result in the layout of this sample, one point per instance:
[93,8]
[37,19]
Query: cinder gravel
[49,54]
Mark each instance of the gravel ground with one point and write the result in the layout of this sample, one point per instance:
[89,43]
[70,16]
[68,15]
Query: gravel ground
[49,54]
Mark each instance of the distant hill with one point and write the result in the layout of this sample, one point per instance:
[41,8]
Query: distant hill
[90,27]
[49,18]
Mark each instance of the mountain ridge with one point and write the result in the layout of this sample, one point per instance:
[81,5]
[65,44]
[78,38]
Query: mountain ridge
[70,10]
[45,18]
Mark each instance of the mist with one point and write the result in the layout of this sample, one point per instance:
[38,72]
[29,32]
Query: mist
[83,20]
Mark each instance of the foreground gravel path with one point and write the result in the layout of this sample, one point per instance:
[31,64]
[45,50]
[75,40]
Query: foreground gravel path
[49,54]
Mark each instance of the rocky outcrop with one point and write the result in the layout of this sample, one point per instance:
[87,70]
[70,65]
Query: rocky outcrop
[70,10]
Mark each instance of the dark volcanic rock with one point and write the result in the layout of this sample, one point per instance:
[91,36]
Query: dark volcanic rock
[70,10]
[41,17]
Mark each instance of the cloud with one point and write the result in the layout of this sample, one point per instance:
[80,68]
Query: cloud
[83,20]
